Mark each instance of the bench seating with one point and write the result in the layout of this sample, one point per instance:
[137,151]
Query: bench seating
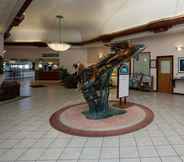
[9,90]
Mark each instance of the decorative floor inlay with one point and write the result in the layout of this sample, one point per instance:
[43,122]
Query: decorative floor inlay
[71,120]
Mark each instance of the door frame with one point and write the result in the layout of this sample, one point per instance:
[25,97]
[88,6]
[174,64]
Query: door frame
[172,65]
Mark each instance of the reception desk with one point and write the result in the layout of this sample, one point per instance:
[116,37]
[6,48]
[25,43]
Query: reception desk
[179,85]
[50,75]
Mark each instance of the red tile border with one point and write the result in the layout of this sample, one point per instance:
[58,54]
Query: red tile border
[58,125]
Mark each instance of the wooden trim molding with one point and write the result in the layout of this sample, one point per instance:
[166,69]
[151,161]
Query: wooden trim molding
[158,26]
[157,69]
[19,17]
[35,44]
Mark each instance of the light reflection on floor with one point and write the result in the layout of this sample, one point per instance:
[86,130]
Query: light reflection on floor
[25,132]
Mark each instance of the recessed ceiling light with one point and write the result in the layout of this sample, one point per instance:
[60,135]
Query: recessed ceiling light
[100,55]
[179,47]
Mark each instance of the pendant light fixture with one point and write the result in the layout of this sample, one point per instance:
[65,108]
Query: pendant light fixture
[59,46]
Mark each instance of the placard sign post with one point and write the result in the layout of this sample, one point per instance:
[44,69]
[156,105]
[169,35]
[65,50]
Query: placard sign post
[123,83]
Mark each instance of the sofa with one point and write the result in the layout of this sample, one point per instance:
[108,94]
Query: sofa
[9,90]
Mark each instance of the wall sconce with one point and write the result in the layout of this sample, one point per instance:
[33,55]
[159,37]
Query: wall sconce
[40,66]
[100,55]
[179,47]
[145,60]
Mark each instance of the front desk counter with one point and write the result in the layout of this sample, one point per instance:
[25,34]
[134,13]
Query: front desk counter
[50,75]
[179,85]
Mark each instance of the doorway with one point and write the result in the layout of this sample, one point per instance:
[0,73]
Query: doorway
[165,74]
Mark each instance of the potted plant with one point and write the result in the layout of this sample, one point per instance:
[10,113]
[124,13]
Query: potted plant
[63,73]
[68,80]
[1,65]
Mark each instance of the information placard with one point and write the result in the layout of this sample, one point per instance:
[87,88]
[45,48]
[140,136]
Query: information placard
[123,81]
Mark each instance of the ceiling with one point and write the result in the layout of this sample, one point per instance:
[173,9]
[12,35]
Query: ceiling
[85,19]
[8,10]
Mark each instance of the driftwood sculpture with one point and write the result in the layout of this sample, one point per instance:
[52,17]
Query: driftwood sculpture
[95,79]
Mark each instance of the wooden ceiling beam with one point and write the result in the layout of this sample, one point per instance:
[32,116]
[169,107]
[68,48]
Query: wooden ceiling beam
[154,26]
[19,17]
[35,44]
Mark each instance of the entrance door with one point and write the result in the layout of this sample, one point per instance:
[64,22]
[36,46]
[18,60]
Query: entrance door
[165,74]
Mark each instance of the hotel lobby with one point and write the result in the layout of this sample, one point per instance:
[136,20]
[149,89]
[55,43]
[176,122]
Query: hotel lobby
[91,81]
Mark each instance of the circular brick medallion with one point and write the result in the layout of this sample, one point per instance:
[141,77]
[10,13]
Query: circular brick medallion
[71,120]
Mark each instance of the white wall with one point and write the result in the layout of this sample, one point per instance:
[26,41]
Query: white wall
[159,45]
[30,53]
[67,59]
[86,56]
[93,54]
[1,50]
[73,56]
[162,45]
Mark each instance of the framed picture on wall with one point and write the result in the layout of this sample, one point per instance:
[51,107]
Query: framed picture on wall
[181,64]
[142,63]
[153,64]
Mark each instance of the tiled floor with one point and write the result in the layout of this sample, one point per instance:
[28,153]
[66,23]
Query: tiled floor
[26,135]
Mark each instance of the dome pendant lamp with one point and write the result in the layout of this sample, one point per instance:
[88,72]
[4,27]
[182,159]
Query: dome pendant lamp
[59,46]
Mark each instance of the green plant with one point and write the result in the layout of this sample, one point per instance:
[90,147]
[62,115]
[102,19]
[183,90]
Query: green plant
[63,73]
[1,65]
